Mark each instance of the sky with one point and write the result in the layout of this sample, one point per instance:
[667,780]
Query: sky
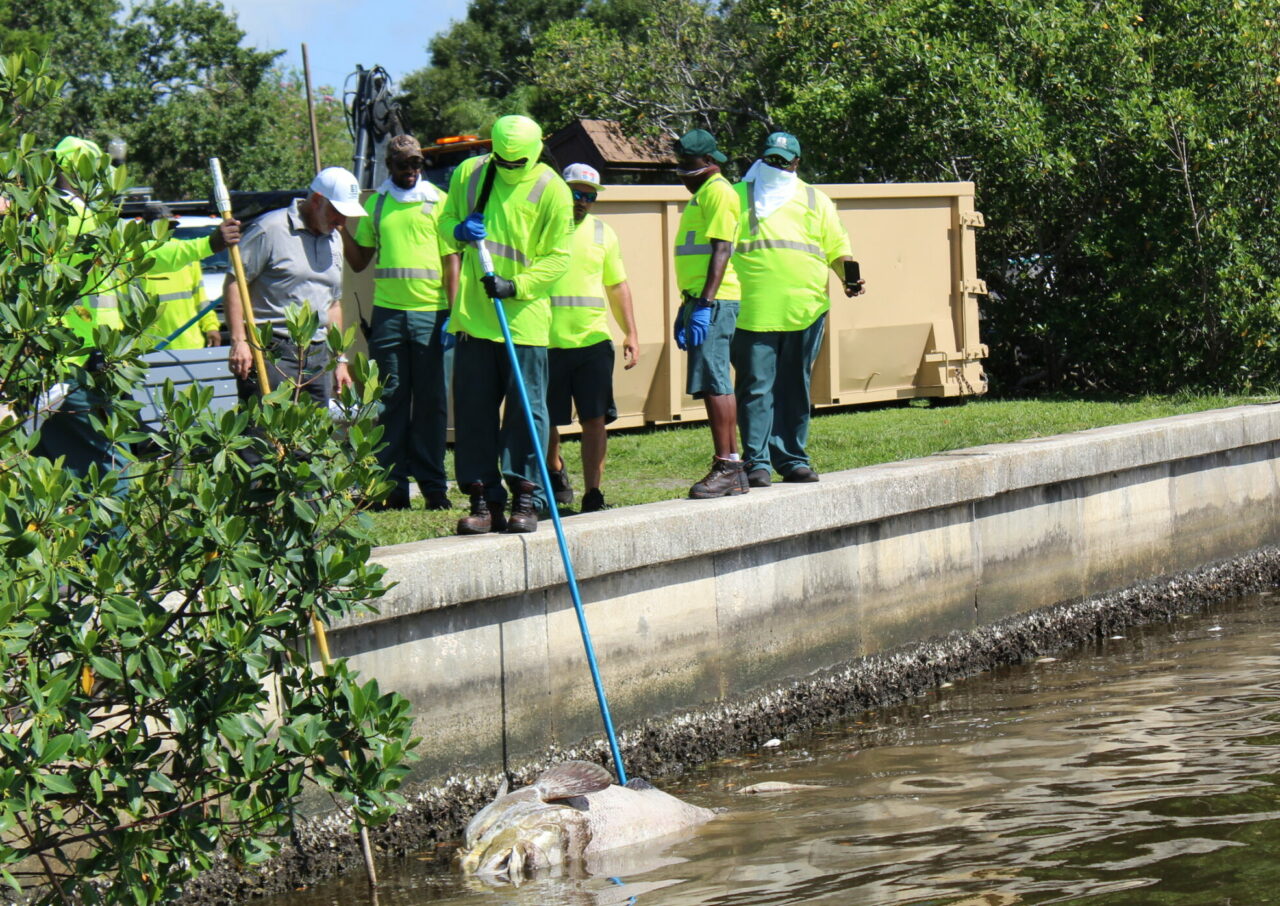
[339,35]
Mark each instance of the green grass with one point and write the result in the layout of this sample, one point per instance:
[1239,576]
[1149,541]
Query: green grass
[650,464]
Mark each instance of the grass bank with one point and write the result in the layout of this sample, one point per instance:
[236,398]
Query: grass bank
[646,465]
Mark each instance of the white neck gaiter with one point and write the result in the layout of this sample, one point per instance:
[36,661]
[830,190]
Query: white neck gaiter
[422,190]
[773,187]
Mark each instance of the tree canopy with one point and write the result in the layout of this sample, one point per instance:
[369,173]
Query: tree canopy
[173,79]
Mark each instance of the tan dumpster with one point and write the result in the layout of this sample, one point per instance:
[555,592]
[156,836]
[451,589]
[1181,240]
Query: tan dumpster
[914,333]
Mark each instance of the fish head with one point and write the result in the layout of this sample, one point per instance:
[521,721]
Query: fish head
[514,851]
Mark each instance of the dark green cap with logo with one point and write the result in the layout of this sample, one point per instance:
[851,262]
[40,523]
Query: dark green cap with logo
[699,143]
[783,144]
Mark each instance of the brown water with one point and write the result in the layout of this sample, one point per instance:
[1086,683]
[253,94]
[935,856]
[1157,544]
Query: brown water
[1145,770]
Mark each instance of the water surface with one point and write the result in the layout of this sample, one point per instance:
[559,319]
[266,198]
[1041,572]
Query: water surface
[1143,770]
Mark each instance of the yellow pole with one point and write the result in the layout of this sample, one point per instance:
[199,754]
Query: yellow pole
[311,109]
[222,200]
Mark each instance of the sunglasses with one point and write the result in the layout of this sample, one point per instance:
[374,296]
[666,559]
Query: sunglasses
[412,163]
[510,164]
[579,195]
[774,160]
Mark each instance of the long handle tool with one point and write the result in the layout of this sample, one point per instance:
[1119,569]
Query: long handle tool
[486,264]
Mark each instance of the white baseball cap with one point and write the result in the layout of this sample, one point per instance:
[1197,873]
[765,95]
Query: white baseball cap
[582,173]
[339,186]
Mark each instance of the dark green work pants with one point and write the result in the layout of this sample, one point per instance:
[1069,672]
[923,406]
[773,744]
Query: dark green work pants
[772,372]
[412,364]
[491,444]
[69,433]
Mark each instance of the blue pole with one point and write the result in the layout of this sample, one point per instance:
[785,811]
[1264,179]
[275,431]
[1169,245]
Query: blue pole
[173,336]
[486,264]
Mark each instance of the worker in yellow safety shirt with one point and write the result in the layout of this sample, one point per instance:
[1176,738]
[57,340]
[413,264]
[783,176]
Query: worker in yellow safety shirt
[581,355]
[67,429]
[790,236]
[705,322]
[412,289]
[180,294]
[522,210]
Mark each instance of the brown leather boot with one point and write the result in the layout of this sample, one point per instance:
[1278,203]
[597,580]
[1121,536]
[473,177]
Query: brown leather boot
[481,520]
[524,518]
[726,479]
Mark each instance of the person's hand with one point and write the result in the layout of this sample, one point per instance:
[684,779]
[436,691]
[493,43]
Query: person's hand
[630,351]
[4,205]
[699,324]
[470,230]
[213,338]
[854,289]
[342,377]
[240,359]
[227,233]
[447,340]
[498,287]
[678,332]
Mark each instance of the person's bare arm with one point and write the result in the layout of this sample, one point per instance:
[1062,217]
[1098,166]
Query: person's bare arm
[341,374]
[240,356]
[620,301]
[357,255]
[721,252]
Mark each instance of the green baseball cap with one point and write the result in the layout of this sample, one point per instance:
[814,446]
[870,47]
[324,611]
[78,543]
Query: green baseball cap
[699,143]
[783,144]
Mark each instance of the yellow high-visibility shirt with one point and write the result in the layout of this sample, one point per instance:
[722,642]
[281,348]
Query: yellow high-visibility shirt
[578,302]
[528,225]
[180,294]
[406,267]
[712,213]
[782,260]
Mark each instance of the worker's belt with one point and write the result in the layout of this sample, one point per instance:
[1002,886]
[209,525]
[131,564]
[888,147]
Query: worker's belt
[756,245]
[578,301]
[405,273]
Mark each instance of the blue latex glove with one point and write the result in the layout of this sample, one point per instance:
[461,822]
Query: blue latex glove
[447,340]
[498,287]
[471,229]
[679,331]
[698,326]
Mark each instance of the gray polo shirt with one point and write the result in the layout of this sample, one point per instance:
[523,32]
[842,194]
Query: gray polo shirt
[286,264]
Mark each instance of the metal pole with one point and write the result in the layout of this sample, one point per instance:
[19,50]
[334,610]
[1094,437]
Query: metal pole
[311,110]
[486,264]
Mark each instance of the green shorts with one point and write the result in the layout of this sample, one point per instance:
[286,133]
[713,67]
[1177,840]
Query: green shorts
[708,365]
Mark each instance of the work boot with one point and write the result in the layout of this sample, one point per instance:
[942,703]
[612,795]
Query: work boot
[593,500]
[398,499]
[726,479]
[482,519]
[524,518]
[561,488]
[436,499]
[801,475]
[759,478]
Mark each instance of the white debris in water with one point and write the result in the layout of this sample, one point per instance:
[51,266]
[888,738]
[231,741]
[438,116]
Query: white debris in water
[772,744]
[777,786]
[1115,638]
[1046,660]
[1214,629]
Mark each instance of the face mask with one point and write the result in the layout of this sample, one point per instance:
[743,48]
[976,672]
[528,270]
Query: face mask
[516,137]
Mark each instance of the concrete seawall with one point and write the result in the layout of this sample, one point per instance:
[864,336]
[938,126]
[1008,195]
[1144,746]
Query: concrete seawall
[694,602]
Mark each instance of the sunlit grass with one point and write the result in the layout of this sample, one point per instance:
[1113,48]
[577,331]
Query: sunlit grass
[650,464]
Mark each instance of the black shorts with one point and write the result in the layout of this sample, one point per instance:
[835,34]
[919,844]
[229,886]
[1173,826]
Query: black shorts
[583,377]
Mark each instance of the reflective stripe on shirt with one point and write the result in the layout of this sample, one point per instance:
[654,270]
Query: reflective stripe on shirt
[405,273]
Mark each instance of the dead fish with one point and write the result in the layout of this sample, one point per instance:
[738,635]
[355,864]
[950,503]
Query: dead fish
[572,811]
[778,786]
